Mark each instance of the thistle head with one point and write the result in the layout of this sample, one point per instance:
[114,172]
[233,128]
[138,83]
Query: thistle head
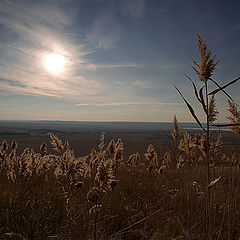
[93,195]
[113,184]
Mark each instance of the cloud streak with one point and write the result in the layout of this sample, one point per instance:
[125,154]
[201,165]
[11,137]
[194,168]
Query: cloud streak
[111,66]
[126,104]
[105,31]
[142,84]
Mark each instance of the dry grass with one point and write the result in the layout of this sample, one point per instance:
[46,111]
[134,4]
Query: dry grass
[104,196]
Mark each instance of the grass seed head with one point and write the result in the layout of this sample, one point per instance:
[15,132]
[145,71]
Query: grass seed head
[203,146]
[234,117]
[14,144]
[133,159]
[176,131]
[43,149]
[111,146]
[212,112]
[207,64]
[4,145]
[56,142]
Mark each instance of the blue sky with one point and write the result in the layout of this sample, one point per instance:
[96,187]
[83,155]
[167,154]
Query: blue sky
[123,57]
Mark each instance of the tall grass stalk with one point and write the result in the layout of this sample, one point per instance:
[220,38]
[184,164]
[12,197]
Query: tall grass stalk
[204,69]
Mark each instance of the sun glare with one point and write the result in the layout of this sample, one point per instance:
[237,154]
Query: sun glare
[55,63]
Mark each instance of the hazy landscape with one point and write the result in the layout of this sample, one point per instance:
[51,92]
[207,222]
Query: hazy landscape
[118,121]
[83,136]
[138,187]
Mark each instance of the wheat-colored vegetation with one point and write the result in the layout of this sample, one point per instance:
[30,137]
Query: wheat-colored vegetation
[189,192]
[104,196]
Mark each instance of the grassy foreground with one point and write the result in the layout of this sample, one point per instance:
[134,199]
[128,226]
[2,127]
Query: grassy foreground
[103,196]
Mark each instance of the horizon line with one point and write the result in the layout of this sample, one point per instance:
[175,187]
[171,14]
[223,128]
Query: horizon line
[95,121]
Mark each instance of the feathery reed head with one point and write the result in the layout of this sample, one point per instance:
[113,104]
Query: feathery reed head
[133,159]
[203,146]
[43,149]
[105,175]
[212,112]
[207,63]
[234,117]
[56,142]
[111,146]
[101,144]
[4,145]
[118,152]
[150,154]
[14,144]
[176,131]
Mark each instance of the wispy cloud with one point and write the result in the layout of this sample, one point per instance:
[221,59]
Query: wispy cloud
[142,84]
[111,66]
[27,90]
[127,103]
[105,30]
[32,30]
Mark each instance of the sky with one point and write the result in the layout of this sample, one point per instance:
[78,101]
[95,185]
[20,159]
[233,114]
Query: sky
[122,58]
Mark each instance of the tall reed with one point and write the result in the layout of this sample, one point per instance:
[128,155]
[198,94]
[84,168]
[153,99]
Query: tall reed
[204,70]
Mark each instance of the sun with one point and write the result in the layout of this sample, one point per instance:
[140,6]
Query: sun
[55,63]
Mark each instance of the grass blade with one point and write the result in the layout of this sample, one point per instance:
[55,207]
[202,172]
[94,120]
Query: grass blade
[226,125]
[212,183]
[191,110]
[220,89]
[195,89]
[136,223]
[202,100]
[185,231]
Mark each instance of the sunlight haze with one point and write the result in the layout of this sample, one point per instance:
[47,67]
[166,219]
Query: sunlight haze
[109,60]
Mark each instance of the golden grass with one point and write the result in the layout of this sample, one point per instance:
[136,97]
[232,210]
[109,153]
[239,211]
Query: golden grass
[104,196]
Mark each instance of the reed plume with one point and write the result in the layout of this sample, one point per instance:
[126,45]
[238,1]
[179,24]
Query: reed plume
[207,64]
[133,160]
[152,159]
[212,112]
[56,142]
[234,117]
[176,131]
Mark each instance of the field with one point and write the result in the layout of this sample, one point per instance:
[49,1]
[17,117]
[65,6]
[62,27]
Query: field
[83,136]
[112,192]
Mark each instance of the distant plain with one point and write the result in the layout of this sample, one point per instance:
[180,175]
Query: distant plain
[83,136]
